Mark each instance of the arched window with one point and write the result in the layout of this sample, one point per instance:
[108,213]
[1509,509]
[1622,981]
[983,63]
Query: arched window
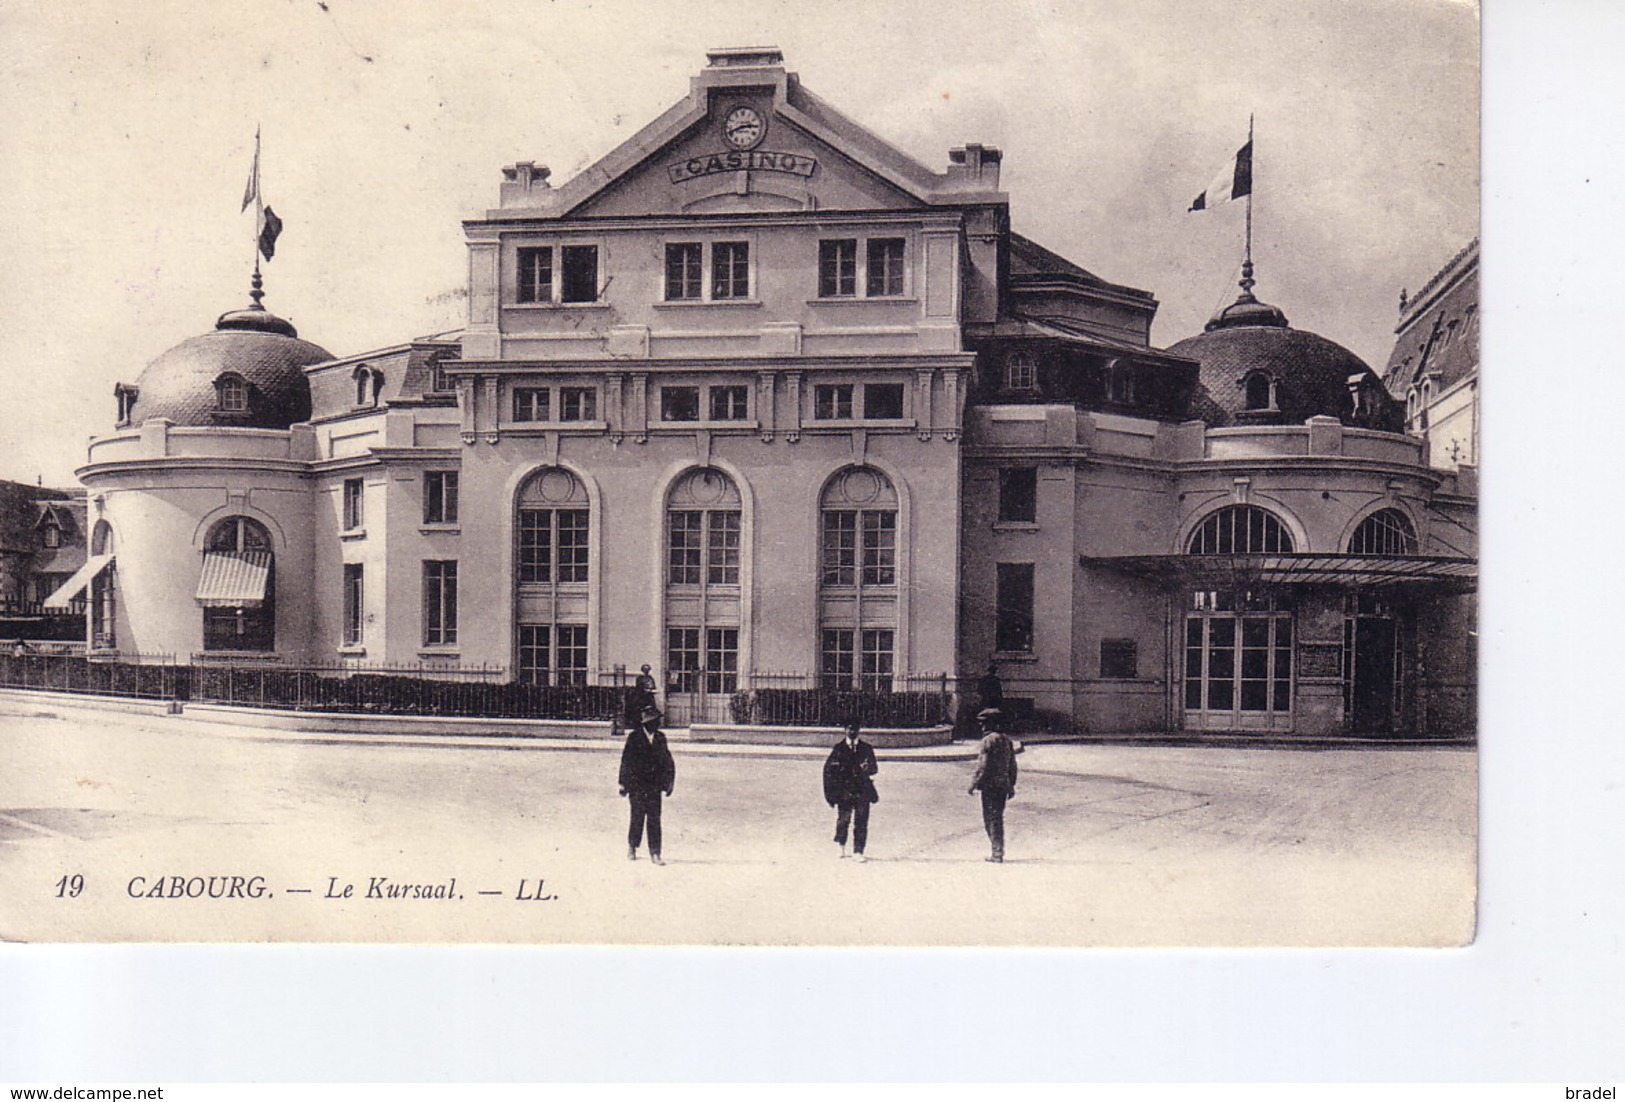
[1020,371]
[858,581]
[1240,530]
[237,588]
[231,390]
[369,385]
[1385,532]
[552,564]
[103,591]
[1260,391]
[1120,382]
[702,594]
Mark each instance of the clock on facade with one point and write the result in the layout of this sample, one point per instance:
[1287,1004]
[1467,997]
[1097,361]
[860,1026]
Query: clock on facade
[743,127]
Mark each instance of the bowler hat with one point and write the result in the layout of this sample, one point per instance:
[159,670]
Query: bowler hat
[989,713]
[652,713]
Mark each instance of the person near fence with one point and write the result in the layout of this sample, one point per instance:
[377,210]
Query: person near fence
[989,689]
[647,772]
[849,789]
[995,777]
[640,696]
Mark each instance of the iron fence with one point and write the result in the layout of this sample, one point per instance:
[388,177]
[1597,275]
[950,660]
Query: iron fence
[71,673]
[800,700]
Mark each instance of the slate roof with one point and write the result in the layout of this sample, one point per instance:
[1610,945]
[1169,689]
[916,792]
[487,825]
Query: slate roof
[1437,333]
[180,384]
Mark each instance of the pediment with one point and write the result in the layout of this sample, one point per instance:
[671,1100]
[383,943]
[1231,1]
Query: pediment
[776,163]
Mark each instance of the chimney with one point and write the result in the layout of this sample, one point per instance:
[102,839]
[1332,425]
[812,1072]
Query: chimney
[975,167]
[520,180]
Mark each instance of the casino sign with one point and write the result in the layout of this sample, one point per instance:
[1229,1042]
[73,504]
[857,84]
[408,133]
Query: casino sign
[738,160]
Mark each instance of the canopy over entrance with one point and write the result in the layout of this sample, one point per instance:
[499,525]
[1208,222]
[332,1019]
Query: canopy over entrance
[1459,575]
[62,597]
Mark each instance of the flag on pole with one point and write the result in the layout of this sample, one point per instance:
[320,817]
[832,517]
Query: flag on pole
[252,191]
[1234,181]
[270,229]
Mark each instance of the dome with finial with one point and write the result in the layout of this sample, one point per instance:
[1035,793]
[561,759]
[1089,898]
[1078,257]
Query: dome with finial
[1255,369]
[246,373]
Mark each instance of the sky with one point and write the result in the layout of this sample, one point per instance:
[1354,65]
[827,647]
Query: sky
[130,129]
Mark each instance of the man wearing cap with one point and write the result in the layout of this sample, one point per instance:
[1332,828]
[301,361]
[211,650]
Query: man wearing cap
[647,771]
[848,789]
[995,777]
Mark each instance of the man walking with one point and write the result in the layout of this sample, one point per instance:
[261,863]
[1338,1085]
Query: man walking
[647,771]
[995,777]
[848,789]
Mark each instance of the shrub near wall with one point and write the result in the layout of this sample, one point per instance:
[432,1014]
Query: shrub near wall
[826,708]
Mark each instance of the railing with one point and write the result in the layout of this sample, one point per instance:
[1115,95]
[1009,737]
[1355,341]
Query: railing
[798,699]
[63,673]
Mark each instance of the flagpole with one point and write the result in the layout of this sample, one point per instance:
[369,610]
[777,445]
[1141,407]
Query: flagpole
[1247,255]
[258,291]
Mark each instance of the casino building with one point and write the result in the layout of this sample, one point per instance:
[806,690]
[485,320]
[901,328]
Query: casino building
[760,400]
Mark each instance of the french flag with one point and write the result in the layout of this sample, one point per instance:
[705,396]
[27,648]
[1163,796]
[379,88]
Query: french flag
[1234,181]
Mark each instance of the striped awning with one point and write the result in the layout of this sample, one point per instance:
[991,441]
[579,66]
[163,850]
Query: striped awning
[62,597]
[1303,568]
[234,579]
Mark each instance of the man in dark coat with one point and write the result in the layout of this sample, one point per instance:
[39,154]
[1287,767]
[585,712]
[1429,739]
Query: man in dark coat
[647,771]
[995,777]
[848,789]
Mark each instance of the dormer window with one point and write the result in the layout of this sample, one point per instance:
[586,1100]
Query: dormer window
[1120,383]
[369,385]
[51,534]
[1020,371]
[1260,391]
[231,391]
[125,396]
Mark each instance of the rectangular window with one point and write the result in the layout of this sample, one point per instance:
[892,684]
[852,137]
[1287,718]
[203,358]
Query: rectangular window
[572,544]
[1013,627]
[1119,658]
[683,277]
[570,651]
[721,660]
[684,550]
[578,403]
[722,548]
[353,489]
[885,267]
[838,268]
[729,403]
[440,497]
[840,547]
[832,401]
[683,659]
[679,403]
[440,602]
[536,275]
[883,401]
[535,545]
[553,654]
[875,669]
[1018,495]
[879,547]
[535,652]
[530,403]
[837,658]
[580,274]
[353,595]
[730,270]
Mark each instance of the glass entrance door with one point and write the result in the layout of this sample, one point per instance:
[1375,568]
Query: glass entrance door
[1238,662]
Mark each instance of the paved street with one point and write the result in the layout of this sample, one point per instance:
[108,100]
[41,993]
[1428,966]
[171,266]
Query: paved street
[1108,845]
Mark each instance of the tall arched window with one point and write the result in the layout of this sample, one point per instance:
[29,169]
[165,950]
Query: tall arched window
[858,542]
[1385,532]
[552,563]
[703,597]
[103,591]
[1240,530]
[237,587]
